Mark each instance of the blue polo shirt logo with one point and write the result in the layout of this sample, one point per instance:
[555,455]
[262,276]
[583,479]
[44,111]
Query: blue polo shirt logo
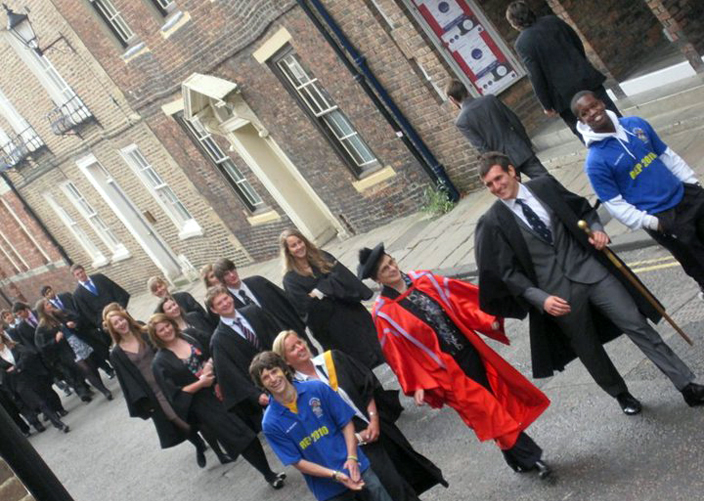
[315,407]
[640,134]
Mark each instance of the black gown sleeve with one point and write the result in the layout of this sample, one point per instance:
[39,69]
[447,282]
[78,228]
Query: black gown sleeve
[343,285]
[298,287]
[166,369]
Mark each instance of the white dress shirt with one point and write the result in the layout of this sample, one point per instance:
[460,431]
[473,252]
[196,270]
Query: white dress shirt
[532,202]
[243,287]
[230,322]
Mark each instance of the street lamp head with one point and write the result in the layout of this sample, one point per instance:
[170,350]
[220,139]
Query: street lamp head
[21,28]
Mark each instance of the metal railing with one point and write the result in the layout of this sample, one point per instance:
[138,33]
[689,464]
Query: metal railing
[68,116]
[19,147]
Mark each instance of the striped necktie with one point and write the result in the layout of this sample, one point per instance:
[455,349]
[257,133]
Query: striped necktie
[248,334]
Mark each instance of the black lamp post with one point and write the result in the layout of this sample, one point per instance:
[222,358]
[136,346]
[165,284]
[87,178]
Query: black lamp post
[21,28]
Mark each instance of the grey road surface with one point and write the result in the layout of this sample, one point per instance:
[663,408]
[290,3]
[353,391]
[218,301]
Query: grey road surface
[597,452]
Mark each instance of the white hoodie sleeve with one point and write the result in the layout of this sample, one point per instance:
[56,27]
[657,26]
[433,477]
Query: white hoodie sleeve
[678,166]
[629,215]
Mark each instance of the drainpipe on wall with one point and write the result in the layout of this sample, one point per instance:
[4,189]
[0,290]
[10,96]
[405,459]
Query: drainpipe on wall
[396,117]
[28,209]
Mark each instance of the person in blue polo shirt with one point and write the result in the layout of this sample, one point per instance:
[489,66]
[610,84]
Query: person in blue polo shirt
[642,182]
[309,426]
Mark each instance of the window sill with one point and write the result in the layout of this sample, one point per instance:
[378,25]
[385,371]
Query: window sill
[120,255]
[135,51]
[174,23]
[373,179]
[266,217]
[100,261]
[190,229]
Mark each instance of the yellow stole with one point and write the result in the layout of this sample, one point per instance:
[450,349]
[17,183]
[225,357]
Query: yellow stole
[330,366]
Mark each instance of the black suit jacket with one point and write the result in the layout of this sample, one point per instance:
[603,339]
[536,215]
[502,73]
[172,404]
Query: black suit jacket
[556,62]
[90,307]
[490,125]
[24,334]
[276,302]
[506,271]
[232,355]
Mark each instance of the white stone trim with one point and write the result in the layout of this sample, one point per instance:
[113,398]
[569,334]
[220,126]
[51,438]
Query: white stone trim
[272,45]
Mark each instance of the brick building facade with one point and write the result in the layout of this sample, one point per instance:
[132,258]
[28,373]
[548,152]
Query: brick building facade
[254,116]
[92,171]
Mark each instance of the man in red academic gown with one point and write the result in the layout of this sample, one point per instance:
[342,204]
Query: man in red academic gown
[426,326]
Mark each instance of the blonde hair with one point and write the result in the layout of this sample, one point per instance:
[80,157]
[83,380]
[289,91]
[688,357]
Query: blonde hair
[204,272]
[279,344]
[154,281]
[314,256]
[137,330]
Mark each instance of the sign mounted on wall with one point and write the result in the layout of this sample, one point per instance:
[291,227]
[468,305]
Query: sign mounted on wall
[464,34]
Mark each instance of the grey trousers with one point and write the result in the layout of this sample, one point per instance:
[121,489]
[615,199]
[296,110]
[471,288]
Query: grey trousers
[610,297]
[532,168]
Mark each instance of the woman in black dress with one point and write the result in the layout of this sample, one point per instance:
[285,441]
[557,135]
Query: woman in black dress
[404,472]
[132,357]
[56,334]
[330,298]
[184,371]
[22,371]
[188,322]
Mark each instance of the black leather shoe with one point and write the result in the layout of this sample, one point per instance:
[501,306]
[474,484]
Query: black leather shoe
[278,481]
[108,395]
[693,394]
[200,457]
[543,469]
[62,413]
[629,404]
[225,458]
[39,427]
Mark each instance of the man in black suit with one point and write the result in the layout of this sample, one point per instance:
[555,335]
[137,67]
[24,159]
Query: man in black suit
[27,326]
[91,295]
[95,292]
[261,292]
[490,125]
[240,335]
[534,260]
[557,65]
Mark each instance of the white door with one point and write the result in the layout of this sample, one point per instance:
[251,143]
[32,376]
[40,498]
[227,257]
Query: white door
[160,253]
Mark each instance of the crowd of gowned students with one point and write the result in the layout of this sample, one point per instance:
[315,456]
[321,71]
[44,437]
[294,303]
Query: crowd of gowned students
[244,362]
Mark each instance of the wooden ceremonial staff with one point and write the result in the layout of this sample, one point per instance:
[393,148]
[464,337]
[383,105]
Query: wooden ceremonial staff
[636,283]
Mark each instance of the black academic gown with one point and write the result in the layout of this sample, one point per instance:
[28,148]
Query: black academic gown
[141,401]
[96,339]
[391,455]
[90,306]
[232,356]
[24,334]
[201,409]
[277,303]
[501,251]
[339,320]
[28,380]
[189,305]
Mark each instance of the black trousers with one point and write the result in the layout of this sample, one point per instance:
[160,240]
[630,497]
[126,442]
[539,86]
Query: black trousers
[683,232]
[525,452]
[571,120]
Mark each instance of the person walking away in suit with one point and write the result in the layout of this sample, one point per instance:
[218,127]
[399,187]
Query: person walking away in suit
[490,125]
[557,65]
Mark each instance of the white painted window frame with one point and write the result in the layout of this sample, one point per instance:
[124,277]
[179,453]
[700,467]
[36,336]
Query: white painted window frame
[165,196]
[97,257]
[28,135]
[118,25]
[85,209]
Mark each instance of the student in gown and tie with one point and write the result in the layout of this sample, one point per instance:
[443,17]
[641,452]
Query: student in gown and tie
[91,295]
[263,293]
[241,334]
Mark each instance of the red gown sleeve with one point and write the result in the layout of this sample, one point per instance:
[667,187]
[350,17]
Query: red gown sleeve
[465,300]
[411,375]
